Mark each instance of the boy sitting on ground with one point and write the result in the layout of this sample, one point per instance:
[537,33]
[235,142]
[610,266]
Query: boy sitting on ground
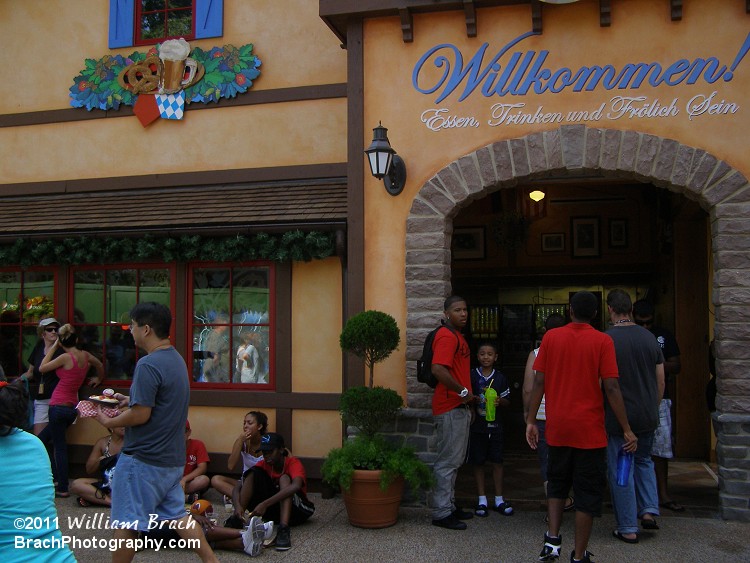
[275,488]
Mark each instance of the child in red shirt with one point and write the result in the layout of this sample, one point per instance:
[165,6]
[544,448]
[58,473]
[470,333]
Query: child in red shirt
[194,479]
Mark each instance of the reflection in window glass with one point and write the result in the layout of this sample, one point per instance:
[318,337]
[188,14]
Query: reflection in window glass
[231,325]
[251,356]
[160,19]
[88,296]
[122,295]
[120,352]
[25,299]
[210,294]
[29,339]
[102,302]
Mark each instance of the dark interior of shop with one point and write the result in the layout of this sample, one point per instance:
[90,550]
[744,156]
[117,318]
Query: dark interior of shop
[517,260]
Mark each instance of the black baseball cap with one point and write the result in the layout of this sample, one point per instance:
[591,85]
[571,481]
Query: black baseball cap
[271,441]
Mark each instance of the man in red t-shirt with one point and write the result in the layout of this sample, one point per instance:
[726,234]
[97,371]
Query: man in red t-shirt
[194,479]
[574,363]
[276,487]
[450,411]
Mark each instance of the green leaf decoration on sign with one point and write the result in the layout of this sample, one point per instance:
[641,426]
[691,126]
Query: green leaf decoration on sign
[229,71]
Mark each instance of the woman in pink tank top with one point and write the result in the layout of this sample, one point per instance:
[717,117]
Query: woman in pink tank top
[71,369]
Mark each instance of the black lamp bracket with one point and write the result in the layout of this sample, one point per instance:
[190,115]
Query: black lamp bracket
[395,180]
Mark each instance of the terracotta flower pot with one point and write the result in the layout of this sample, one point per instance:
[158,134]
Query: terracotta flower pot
[369,506]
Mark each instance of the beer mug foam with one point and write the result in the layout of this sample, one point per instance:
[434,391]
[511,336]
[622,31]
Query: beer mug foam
[173,54]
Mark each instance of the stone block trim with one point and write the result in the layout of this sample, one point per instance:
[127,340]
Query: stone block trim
[723,191]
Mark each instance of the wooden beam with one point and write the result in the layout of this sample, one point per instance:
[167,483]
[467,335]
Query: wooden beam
[407,25]
[536,16]
[605,13]
[470,12]
[675,7]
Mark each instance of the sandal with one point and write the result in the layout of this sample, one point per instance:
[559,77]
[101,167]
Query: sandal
[619,536]
[504,508]
[649,524]
[83,502]
[672,505]
[481,511]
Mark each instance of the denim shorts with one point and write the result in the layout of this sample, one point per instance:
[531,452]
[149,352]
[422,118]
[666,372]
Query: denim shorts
[143,494]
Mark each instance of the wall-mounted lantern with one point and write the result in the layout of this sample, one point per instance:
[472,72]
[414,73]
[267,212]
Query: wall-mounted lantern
[385,164]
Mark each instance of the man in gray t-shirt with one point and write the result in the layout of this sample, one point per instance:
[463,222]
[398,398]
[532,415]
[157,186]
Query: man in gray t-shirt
[146,489]
[641,366]
[160,382]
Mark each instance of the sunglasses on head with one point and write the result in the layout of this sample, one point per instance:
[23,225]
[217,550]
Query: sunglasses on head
[50,329]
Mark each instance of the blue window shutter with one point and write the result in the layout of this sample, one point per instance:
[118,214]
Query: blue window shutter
[121,20]
[209,18]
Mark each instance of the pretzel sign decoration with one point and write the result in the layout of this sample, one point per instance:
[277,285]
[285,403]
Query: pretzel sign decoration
[141,78]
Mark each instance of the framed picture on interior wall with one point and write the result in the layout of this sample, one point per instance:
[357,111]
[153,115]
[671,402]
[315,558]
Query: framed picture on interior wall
[553,242]
[618,233]
[584,236]
[468,243]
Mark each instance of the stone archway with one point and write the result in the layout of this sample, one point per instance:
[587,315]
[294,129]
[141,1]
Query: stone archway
[719,189]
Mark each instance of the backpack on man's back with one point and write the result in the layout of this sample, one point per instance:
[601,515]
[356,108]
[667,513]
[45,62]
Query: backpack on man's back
[424,364]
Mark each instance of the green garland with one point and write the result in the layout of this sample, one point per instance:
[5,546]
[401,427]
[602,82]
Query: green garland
[296,246]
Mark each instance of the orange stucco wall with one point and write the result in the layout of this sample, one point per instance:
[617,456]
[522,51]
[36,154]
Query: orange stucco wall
[235,137]
[641,31]
[50,40]
[316,322]
[52,52]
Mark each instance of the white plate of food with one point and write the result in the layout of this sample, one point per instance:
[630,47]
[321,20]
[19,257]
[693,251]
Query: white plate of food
[103,400]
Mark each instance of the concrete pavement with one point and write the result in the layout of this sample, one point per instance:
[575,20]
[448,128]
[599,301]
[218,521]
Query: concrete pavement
[329,537]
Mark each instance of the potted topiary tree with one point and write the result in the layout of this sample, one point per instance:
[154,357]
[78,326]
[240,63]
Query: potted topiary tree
[371,470]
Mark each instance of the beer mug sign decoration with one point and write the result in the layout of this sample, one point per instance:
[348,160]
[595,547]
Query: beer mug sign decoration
[173,59]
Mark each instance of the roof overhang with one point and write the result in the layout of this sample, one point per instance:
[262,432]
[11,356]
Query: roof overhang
[272,207]
[337,13]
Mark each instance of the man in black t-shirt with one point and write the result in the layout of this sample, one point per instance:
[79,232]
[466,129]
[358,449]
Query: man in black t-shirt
[643,314]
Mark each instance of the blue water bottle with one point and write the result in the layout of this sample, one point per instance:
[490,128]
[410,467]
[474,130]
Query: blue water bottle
[624,463]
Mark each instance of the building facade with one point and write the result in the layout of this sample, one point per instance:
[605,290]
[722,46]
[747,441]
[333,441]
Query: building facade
[627,115]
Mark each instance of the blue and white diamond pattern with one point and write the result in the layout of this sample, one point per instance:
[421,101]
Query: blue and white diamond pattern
[171,106]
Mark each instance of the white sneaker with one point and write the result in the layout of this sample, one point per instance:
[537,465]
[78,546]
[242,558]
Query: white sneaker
[270,536]
[252,537]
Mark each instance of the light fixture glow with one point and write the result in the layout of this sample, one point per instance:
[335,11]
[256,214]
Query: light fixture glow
[537,195]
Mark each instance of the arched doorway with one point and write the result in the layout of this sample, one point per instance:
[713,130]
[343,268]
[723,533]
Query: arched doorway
[719,189]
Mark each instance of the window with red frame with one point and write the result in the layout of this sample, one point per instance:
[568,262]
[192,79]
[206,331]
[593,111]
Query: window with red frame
[145,22]
[232,324]
[157,20]
[102,297]
[26,297]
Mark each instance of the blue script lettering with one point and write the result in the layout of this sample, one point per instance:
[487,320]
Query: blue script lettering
[525,71]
